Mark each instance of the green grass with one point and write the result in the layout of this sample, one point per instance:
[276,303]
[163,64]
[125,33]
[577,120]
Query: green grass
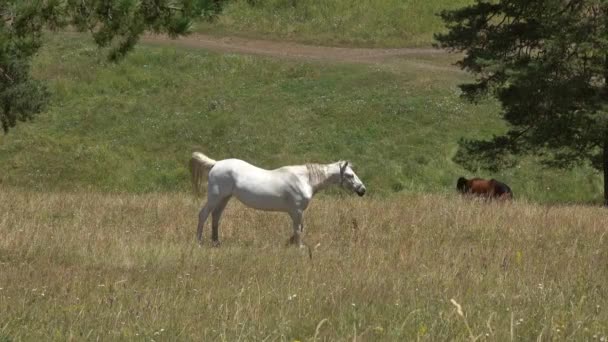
[132,127]
[387,23]
[90,266]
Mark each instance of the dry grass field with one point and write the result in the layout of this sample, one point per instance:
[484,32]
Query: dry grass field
[89,266]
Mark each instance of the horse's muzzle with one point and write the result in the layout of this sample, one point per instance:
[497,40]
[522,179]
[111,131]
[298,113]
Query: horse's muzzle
[361,191]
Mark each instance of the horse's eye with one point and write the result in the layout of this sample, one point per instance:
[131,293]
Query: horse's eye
[350,175]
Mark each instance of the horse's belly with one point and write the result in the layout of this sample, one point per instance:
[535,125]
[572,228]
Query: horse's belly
[262,201]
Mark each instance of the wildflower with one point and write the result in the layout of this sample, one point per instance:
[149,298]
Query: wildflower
[458,307]
[518,257]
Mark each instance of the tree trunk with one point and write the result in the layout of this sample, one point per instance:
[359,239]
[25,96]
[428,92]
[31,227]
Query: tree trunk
[605,147]
[605,167]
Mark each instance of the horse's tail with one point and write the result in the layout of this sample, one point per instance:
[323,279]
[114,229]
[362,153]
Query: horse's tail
[510,192]
[200,165]
[504,190]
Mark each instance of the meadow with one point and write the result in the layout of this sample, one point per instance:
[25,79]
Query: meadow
[131,127]
[90,266]
[376,23]
[97,225]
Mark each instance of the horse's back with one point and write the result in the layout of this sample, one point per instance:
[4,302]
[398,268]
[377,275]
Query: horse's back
[485,187]
[256,187]
[234,167]
[226,173]
[479,186]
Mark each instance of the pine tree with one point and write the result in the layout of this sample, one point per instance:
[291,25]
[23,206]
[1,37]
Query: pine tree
[546,61]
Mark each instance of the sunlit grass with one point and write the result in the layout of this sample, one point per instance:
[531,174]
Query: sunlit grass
[387,23]
[131,127]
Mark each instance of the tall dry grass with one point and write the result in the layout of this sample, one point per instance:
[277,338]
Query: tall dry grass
[87,266]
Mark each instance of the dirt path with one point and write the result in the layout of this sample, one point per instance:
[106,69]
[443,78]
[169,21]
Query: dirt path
[295,50]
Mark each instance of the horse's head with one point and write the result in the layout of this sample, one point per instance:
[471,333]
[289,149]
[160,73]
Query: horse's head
[349,179]
[461,185]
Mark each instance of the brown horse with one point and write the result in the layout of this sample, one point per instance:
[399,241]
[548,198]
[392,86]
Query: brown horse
[484,188]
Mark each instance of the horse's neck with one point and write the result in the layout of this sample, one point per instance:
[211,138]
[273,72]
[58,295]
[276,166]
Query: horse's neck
[321,176]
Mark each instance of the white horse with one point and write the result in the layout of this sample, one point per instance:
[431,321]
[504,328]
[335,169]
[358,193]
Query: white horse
[287,189]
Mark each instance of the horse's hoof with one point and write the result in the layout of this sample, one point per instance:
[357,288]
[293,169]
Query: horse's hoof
[308,249]
[216,243]
[291,241]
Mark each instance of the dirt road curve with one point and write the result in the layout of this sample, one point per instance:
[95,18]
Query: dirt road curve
[289,49]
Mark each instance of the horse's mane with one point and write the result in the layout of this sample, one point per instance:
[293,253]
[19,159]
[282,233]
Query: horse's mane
[316,173]
[461,184]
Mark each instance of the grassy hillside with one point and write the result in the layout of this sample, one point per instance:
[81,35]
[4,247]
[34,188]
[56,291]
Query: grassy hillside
[388,23]
[132,127]
[87,266]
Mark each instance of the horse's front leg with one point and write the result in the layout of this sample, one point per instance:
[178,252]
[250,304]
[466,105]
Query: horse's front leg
[298,232]
[296,238]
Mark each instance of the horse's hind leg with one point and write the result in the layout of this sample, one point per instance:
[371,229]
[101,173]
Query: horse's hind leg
[202,218]
[216,215]
[212,203]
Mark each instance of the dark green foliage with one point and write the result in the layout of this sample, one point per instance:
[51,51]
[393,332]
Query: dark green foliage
[119,23]
[21,97]
[114,24]
[546,62]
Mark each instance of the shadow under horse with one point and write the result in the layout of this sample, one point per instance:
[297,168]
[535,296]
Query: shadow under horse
[486,188]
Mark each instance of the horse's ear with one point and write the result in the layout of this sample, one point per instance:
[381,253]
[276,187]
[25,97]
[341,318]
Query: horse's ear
[343,165]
